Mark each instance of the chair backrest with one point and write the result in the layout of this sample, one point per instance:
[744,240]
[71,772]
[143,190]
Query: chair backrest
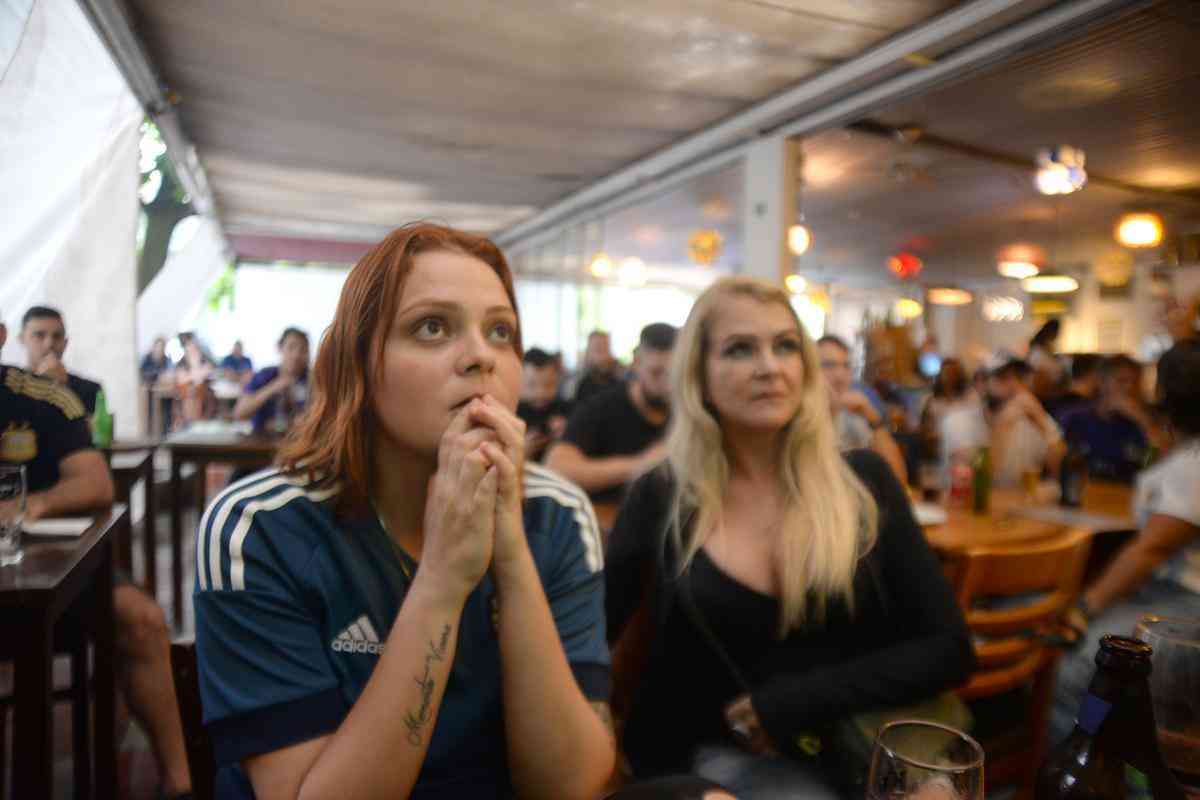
[1010,594]
[201,763]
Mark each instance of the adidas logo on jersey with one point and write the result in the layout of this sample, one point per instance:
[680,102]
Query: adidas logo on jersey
[358,637]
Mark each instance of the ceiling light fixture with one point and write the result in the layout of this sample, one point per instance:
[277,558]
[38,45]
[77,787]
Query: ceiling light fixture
[905,265]
[601,266]
[1060,170]
[799,239]
[1017,269]
[632,272]
[1050,284]
[795,283]
[948,296]
[1141,229]
[1003,309]
[907,308]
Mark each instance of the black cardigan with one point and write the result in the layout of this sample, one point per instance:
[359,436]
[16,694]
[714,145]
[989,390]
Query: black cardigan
[905,641]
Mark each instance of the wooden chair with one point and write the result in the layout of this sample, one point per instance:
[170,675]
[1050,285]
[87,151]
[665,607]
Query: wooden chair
[1011,647]
[201,763]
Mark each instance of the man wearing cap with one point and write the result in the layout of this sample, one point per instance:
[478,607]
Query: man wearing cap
[1012,422]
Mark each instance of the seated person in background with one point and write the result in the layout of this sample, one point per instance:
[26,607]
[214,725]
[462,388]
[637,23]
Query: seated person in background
[155,363]
[1115,434]
[44,337]
[157,370]
[950,391]
[1159,570]
[616,434]
[236,366]
[791,586]
[1083,389]
[192,375]
[543,411]
[855,419]
[350,632]
[1022,436]
[276,395]
[44,427]
[600,369]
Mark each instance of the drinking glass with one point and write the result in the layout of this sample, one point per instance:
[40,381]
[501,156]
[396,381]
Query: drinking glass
[1175,691]
[917,760]
[12,513]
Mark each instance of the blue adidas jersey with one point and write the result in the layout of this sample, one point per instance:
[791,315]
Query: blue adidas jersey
[293,607]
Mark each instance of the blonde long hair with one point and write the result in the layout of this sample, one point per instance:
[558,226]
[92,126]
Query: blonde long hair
[830,518]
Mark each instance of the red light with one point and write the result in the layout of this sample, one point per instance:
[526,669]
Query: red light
[905,266]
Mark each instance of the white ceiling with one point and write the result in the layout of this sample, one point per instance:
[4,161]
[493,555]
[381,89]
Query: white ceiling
[1125,92]
[325,119]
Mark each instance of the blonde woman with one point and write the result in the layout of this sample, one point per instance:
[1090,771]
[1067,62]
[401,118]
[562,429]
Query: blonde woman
[788,585]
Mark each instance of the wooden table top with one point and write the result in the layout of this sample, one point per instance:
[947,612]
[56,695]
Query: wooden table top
[215,445]
[50,561]
[1014,518]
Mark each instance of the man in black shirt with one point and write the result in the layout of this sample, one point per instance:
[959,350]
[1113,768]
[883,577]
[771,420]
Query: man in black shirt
[614,435]
[1084,388]
[544,412]
[600,370]
[45,339]
[43,426]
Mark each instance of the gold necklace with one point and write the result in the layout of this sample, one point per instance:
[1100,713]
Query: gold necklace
[402,558]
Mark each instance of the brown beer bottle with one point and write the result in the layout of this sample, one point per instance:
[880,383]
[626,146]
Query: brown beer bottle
[1113,751]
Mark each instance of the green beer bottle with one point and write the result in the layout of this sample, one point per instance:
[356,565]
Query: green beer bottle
[981,480]
[102,423]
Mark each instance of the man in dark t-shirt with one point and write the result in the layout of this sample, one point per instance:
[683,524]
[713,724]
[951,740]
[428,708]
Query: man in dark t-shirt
[1116,432]
[44,336]
[614,435]
[543,411]
[600,370]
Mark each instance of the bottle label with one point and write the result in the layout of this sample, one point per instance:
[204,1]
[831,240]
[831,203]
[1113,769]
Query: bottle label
[1137,785]
[1092,713]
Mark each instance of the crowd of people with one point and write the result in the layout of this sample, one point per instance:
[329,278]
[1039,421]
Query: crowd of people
[421,599]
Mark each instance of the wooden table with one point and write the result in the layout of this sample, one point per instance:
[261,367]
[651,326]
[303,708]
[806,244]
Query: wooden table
[130,462]
[202,450]
[1013,518]
[58,574]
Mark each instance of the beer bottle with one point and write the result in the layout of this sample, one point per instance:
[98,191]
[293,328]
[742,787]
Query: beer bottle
[102,422]
[1073,476]
[1112,754]
[981,480]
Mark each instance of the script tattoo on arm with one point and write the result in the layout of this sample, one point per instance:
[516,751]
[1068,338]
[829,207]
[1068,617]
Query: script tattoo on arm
[416,719]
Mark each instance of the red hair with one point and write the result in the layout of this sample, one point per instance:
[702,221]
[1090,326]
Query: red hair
[332,441]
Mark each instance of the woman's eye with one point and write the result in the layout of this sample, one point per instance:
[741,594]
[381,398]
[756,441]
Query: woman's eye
[428,329]
[787,346]
[738,350]
[502,333]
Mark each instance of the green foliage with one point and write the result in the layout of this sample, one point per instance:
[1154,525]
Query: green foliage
[222,290]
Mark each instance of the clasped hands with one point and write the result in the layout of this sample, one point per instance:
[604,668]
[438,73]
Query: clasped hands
[473,514]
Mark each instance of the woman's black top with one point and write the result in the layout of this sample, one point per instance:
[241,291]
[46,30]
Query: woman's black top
[905,640]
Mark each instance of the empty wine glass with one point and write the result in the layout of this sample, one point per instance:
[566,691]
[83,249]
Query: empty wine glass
[916,760]
[1175,691]
[12,513]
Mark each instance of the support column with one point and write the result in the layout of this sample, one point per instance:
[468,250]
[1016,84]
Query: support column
[769,197]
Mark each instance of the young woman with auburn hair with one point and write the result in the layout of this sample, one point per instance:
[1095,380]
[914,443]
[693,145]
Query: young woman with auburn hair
[789,585]
[403,608]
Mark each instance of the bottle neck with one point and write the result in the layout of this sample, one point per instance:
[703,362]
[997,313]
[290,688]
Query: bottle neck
[1119,713]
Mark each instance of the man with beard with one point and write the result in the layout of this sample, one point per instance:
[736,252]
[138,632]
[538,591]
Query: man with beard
[616,434]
